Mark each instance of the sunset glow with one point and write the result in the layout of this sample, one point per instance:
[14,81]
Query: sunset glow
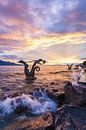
[54,30]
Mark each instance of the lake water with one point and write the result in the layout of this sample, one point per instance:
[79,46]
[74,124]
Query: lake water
[14,90]
[14,75]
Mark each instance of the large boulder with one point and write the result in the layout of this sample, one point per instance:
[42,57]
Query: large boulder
[42,122]
[58,97]
[75,94]
[71,118]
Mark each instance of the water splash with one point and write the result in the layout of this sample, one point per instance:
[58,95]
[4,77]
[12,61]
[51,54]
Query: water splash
[36,104]
[79,77]
[76,78]
[82,76]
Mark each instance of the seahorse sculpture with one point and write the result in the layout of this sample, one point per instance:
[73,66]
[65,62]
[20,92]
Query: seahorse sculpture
[69,66]
[30,74]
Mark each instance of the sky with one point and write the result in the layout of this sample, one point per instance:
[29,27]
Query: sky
[54,30]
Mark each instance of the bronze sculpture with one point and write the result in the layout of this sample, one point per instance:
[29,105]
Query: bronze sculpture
[69,66]
[30,74]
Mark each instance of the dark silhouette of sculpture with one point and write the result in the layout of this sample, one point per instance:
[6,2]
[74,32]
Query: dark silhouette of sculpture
[76,67]
[69,66]
[30,74]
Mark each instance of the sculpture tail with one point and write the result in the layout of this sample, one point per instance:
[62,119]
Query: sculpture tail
[37,68]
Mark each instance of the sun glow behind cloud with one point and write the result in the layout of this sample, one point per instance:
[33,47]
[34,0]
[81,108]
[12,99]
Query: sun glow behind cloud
[43,46]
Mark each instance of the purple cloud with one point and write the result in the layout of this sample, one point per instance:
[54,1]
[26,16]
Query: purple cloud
[35,18]
[49,15]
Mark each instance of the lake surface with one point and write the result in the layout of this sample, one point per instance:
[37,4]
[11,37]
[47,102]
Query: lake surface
[14,75]
[13,84]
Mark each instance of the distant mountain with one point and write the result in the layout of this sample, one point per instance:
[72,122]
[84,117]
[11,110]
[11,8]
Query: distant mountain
[7,63]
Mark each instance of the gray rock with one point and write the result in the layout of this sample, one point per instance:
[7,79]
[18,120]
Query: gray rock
[75,94]
[71,118]
[42,122]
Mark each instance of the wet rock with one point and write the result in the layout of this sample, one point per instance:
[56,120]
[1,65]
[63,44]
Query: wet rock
[21,109]
[52,83]
[5,89]
[38,123]
[57,97]
[14,93]
[55,90]
[75,94]
[2,96]
[71,118]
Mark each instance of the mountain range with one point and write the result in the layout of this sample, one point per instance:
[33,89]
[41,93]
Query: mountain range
[7,63]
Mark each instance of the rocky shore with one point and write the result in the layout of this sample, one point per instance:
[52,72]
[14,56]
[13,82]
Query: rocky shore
[71,101]
[42,122]
[70,114]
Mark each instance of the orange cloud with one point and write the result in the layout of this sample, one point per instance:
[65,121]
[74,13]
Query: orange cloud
[42,44]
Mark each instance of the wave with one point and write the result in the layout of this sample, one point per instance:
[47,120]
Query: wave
[36,104]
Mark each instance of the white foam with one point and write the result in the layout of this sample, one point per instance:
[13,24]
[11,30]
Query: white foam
[37,103]
[79,77]
[82,76]
[76,78]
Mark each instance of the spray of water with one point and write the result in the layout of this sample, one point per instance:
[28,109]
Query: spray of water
[82,76]
[79,77]
[37,103]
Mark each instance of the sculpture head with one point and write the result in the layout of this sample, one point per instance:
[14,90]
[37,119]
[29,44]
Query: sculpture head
[21,61]
[41,61]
